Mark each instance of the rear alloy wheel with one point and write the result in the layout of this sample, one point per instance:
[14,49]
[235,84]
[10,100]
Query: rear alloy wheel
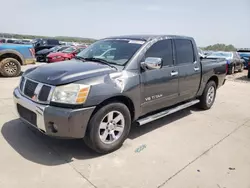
[208,96]
[232,70]
[108,128]
[241,68]
[10,67]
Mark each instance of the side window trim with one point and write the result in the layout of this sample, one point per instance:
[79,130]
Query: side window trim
[173,61]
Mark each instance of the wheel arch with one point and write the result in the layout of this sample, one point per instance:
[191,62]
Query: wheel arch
[122,99]
[12,54]
[215,79]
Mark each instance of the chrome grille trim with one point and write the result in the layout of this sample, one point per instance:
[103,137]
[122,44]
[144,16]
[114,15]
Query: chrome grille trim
[37,91]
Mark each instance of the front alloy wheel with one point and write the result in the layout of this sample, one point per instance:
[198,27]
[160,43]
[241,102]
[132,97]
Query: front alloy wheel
[111,127]
[108,128]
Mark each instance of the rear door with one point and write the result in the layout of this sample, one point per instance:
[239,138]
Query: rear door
[189,69]
[160,86]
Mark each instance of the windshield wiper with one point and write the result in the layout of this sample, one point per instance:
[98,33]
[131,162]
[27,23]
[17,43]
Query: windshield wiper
[99,60]
[80,58]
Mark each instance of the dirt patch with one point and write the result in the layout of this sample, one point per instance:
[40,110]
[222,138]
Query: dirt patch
[239,77]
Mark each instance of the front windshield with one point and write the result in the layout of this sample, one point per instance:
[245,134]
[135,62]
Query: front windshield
[62,48]
[69,50]
[55,48]
[221,54]
[114,51]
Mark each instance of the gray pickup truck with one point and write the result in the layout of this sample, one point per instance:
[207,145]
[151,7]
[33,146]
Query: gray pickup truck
[115,82]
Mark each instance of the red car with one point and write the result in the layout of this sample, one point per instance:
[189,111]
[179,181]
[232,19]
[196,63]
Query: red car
[66,54]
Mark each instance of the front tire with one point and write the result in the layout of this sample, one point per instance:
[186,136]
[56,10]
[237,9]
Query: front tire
[108,128]
[10,67]
[208,96]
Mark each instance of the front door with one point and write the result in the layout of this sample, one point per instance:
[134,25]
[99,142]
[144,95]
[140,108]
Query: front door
[189,69]
[160,86]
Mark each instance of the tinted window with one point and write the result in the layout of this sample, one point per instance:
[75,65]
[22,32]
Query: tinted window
[63,48]
[162,49]
[184,51]
[69,50]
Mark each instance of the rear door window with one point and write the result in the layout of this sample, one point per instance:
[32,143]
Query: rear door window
[184,51]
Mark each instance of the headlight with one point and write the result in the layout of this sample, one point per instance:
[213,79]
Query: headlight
[71,94]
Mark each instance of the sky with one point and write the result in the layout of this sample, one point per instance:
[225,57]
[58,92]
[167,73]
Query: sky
[209,22]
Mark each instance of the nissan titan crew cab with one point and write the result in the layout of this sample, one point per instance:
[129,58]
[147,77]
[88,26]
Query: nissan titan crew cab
[114,82]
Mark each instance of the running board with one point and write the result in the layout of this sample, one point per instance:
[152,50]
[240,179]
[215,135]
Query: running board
[166,112]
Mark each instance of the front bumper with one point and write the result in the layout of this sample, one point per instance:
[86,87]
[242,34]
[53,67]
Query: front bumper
[53,121]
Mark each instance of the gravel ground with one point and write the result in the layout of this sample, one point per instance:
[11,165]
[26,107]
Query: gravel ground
[189,149]
[239,77]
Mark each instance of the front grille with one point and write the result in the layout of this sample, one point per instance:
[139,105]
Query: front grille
[27,114]
[30,88]
[37,92]
[44,93]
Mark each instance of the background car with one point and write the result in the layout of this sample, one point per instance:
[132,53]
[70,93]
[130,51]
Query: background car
[40,44]
[13,56]
[42,54]
[248,67]
[235,63]
[207,52]
[245,55]
[66,54]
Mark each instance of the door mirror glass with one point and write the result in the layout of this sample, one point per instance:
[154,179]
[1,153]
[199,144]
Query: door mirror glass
[152,63]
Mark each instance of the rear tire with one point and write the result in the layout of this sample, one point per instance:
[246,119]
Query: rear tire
[208,96]
[231,70]
[241,68]
[10,67]
[103,134]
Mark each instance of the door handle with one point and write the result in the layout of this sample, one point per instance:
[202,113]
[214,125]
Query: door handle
[174,73]
[196,68]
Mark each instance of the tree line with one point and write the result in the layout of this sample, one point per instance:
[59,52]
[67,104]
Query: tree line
[220,47]
[61,38]
[215,47]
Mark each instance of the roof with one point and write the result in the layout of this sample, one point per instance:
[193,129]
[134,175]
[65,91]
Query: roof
[147,37]
[243,50]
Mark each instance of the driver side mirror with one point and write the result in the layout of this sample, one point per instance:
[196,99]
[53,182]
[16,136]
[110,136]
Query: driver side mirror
[152,63]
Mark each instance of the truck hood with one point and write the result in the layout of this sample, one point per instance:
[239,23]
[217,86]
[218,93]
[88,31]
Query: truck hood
[67,72]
